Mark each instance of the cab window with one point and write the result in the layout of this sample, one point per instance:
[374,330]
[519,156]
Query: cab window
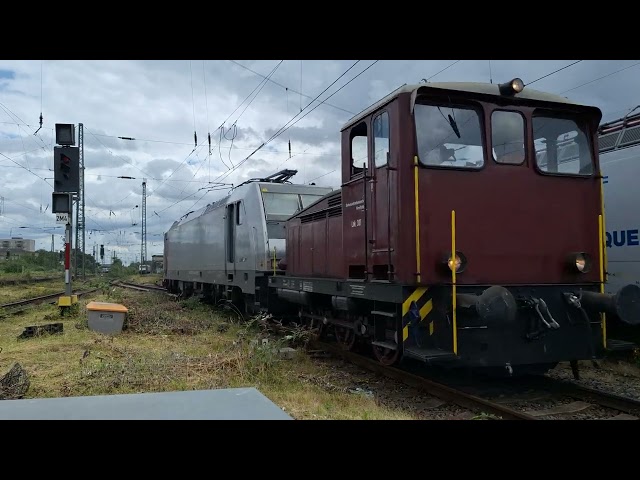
[561,145]
[507,137]
[381,139]
[359,149]
[449,136]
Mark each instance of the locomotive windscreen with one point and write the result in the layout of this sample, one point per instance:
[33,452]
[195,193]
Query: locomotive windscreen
[449,136]
[308,199]
[276,203]
[561,145]
[281,203]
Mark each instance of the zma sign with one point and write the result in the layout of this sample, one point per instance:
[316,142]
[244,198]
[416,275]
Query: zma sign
[62,218]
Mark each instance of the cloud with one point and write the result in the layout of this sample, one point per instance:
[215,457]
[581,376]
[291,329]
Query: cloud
[161,103]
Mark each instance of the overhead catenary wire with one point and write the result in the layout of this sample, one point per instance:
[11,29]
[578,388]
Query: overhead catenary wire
[285,127]
[41,61]
[164,180]
[27,169]
[600,78]
[173,143]
[20,166]
[323,175]
[20,122]
[24,149]
[234,125]
[206,104]
[287,95]
[262,82]
[291,89]
[288,124]
[445,68]
[554,72]
[221,127]
[193,103]
[242,103]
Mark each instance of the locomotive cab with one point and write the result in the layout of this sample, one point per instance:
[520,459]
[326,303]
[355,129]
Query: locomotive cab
[472,231]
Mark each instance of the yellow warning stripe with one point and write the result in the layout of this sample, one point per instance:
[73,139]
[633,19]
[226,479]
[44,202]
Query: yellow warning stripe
[424,311]
[426,308]
[414,297]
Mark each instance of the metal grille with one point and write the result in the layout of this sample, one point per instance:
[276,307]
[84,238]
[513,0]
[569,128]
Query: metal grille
[608,141]
[630,136]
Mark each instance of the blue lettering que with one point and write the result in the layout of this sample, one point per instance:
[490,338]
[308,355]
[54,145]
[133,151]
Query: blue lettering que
[619,238]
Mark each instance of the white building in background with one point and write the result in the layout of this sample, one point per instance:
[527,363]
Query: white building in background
[15,247]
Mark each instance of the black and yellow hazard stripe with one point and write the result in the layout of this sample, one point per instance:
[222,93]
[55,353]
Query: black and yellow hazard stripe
[424,303]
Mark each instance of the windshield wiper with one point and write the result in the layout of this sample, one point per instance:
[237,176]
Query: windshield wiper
[454,125]
[452,122]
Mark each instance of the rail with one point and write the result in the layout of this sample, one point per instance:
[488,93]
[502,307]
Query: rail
[41,299]
[609,400]
[436,389]
[140,287]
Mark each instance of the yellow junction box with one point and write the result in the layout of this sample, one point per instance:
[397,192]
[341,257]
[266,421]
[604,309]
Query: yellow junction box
[67,301]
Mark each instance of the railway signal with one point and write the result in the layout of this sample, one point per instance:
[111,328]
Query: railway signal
[66,169]
[65,134]
[60,202]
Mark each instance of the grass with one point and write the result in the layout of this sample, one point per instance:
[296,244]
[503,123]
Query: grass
[149,278]
[7,279]
[13,293]
[173,345]
[28,274]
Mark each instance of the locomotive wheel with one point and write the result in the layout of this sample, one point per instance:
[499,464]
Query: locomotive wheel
[386,356]
[346,337]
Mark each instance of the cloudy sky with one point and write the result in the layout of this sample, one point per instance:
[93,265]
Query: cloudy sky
[161,103]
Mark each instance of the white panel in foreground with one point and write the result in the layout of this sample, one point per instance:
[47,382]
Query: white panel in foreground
[222,404]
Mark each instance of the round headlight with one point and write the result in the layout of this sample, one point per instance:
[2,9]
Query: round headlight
[511,87]
[581,262]
[459,262]
[517,85]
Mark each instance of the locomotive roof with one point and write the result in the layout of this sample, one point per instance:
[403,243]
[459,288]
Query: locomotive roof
[240,190]
[469,87]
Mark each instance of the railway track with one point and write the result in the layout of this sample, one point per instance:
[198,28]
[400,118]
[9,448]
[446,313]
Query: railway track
[54,296]
[25,281]
[544,398]
[436,389]
[140,287]
[566,400]
[42,299]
